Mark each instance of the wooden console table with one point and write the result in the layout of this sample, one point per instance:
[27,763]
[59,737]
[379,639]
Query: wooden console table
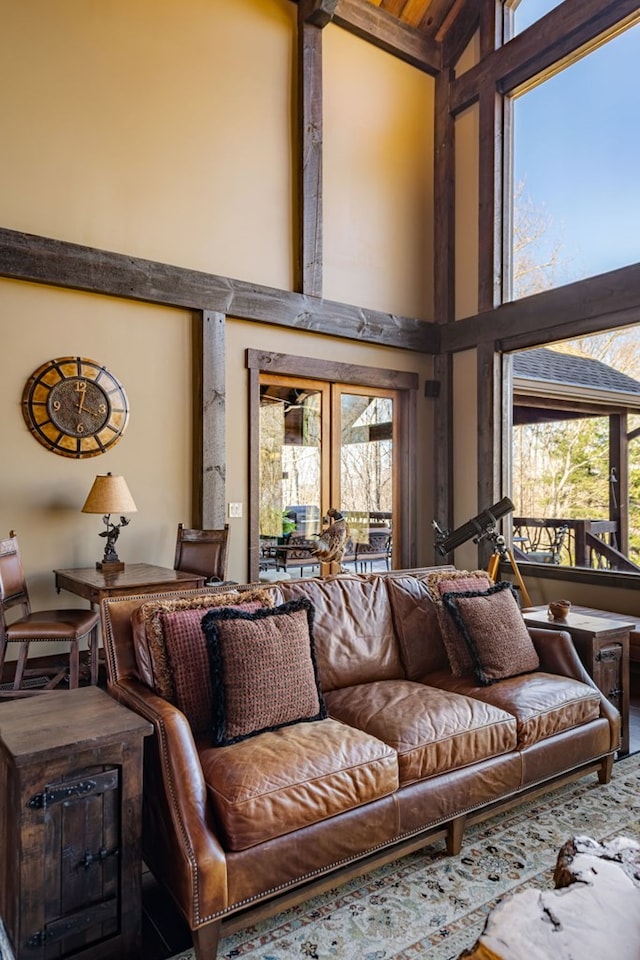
[94,585]
[602,642]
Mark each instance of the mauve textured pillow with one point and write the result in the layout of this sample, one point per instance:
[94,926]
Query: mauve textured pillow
[149,638]
[263,670]
[456,581]
[495,633]
[188,661]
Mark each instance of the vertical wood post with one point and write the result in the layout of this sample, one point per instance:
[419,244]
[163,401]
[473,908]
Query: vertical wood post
[444,296]
[209,493]
[619,490]
[309,151]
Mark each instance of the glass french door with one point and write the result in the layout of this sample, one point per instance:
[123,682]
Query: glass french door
[324,445]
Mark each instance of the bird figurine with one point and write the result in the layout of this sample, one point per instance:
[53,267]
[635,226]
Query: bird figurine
[331,545]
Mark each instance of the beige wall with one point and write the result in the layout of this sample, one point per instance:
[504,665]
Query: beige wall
[42,493]
[378,178]
[159,128]
[163,129]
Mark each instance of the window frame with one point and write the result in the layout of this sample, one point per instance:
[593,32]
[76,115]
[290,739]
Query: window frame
[602,318]
[406,384]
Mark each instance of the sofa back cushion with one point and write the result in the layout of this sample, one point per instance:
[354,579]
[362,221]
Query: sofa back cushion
[353,629]
[417,625]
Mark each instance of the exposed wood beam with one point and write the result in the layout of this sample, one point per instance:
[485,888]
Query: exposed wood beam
[444,202]
[310,233]
[490,428]
[587,306]
[490,175]
[209,419]
[442,446]
[36,259]
[384,31]
[619,491]
[318,12]
[462,28]
[448,14]
[552,39]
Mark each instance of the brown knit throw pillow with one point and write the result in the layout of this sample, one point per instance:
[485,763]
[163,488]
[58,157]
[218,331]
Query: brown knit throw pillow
[492,626]
[263,671]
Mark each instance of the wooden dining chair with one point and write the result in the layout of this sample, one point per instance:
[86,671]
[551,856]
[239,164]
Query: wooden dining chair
[203,552]
[50,626]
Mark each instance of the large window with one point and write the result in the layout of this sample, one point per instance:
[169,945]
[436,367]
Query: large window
[576,149]
[576,452]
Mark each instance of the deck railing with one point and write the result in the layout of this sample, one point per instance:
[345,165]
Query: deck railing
[570,543]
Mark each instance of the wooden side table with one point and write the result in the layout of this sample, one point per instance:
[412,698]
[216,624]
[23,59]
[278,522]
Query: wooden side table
[603,646]
[94,584]
[70,825]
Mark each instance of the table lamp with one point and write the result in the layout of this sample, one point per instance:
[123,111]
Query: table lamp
[109,495]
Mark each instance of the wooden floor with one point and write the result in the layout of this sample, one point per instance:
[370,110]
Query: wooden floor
[164,932]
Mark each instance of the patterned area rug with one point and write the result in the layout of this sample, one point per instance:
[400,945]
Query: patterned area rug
[433,906]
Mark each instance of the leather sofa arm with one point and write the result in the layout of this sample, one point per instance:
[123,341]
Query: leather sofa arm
[558,654]
[178,827]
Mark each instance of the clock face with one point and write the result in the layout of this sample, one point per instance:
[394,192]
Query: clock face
[75,407]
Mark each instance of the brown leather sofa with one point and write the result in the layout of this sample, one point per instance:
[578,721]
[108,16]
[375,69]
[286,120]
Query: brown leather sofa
[408,754]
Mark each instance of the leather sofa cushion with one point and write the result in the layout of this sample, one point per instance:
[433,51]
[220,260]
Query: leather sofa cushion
[353,629]
[432,730]
[542,703]
[416,622]
[287,779]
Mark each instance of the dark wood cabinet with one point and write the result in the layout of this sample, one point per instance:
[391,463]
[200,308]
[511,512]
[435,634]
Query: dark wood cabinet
[602,642]
[70,826]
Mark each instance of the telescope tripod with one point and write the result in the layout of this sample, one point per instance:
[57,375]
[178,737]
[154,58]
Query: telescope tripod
[502,552]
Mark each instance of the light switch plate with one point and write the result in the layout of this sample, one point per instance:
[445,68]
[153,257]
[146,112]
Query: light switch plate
[235,510]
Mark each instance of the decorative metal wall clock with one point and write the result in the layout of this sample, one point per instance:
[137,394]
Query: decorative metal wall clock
[75,407]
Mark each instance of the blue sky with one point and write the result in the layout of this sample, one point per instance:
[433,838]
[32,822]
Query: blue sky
[577,147]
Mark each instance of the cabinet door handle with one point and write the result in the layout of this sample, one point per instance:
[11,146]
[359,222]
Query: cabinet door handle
[612,653]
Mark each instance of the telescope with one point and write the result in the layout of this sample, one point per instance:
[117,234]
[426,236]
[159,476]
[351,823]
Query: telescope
[479,528]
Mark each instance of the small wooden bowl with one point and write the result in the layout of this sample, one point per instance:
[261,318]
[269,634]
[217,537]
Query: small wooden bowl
[559,609]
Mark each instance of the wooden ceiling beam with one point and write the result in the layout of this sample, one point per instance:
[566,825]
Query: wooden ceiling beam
[434,16]
[317,12]
[58,263]
[458,31]
[544,45]
[388,33]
